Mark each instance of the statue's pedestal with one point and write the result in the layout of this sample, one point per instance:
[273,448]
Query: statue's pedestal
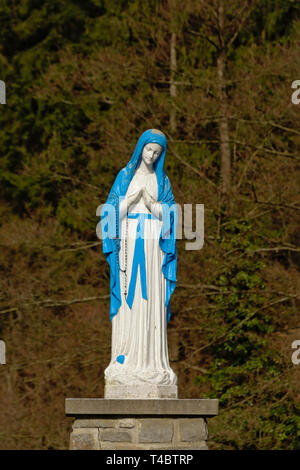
[140,391]
[140,424]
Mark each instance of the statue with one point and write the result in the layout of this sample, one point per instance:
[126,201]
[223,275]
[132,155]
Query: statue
[139,243]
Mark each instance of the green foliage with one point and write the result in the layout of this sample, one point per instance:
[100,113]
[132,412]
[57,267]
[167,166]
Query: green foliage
[239,344]
[281,426]
[84,79]
[240,321]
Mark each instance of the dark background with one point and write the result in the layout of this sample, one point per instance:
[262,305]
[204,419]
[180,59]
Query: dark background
[84,79]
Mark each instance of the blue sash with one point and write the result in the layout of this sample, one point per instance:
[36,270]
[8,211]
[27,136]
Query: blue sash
[139,259]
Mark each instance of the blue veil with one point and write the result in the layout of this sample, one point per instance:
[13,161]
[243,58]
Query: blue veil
[110,224]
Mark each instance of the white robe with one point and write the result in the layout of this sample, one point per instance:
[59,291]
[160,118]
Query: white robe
[139,335]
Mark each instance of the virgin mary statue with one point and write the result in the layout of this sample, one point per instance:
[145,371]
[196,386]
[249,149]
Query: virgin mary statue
[138,224]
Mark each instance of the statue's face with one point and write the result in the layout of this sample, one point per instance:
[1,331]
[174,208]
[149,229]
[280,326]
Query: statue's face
[151,152]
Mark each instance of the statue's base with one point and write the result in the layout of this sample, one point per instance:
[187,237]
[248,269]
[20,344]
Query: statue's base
[140,391]
[132,424]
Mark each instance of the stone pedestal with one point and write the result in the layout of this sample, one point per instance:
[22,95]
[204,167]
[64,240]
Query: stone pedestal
[140,424]
[140,391]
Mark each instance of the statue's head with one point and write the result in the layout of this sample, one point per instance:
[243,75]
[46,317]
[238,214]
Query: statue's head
[156,152]
[156,131]
[151,153]
[153,142]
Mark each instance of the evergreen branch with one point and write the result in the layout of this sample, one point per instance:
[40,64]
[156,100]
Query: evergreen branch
[223,336]
[198,286]
[206,38]
[274,204]
[241,24]
[82,247]
[191,167]
[275,248]
[49,303]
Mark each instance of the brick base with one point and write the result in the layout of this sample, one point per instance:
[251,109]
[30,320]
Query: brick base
[139,433]
[144,431]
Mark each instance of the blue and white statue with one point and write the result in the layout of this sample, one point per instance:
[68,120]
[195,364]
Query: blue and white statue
[139,243]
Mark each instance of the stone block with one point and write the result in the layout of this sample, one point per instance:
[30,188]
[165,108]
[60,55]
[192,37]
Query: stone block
[193,430]
[115,435]
[172,446]
[200,445]
[120,446]
[156,430]
[126,423]
[84,439]
[94,423]
[146,391]
[144,424]
[134,407]
[182,446]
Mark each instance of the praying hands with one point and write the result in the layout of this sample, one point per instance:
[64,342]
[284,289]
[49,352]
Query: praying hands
[152,205]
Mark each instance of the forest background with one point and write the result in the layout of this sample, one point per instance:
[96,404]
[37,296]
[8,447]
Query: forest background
[84,79]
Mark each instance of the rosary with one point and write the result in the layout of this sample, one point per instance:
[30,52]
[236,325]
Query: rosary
[124,270]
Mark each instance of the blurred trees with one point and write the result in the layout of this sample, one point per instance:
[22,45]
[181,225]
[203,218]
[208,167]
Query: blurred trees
[84,80]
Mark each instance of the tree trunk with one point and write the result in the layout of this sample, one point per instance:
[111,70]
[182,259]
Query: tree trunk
[173,68]
[223,122]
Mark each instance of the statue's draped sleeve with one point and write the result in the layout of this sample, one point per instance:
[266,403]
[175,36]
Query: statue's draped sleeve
[110,238]
[167,241]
